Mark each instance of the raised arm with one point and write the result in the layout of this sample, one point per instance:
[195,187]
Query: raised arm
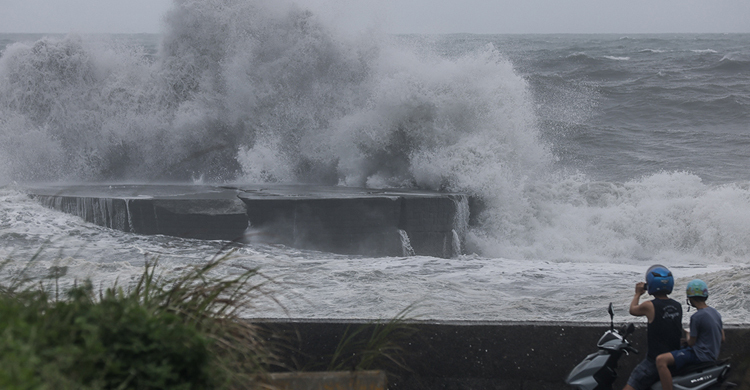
[641,309]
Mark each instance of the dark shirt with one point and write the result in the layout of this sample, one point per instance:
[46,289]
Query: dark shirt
[665,331]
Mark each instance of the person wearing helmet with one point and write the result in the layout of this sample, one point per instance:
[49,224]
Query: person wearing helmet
[664,317]
[704,337]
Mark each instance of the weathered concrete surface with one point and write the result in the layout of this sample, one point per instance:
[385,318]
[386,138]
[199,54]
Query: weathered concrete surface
[190,211]
[354,221]
[334,219]
[492,356]
[348,226]
[329,380]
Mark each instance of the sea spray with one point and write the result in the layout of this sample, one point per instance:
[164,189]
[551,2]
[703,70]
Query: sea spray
[406,243]
[253,91]
[652,156]
[667,215]
[107,212]
[262,91]
[460,223]
[456,243]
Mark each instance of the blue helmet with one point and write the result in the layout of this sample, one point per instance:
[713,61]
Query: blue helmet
[697,288]
[659,280]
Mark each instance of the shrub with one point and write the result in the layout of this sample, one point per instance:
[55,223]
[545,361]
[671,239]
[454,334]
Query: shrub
[113,343]
[184,332]
[180,333]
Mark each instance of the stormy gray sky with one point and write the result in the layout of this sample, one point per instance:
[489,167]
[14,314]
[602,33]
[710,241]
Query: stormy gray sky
[410,16]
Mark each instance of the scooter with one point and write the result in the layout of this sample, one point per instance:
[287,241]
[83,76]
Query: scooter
[598,370]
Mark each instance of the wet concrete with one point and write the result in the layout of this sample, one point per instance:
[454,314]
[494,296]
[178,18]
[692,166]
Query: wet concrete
[193,211]
[334,219]
[487,355]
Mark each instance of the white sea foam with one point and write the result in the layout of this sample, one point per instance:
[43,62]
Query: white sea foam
[321,285]
[615,58]
[264,91]
[668,214]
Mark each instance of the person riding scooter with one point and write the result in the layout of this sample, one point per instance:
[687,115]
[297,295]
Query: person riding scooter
[664,317]
[704,337]
[598,370]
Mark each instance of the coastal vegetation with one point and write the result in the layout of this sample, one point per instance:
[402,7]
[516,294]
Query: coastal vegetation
[181,332]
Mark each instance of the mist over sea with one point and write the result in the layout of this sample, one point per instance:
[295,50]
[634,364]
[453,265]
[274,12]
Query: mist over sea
[596,156]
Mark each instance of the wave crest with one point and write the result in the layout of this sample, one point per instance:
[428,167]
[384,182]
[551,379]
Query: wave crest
[263,91]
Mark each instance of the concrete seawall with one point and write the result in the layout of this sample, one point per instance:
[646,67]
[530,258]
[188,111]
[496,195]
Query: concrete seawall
[492,356]
[333,219]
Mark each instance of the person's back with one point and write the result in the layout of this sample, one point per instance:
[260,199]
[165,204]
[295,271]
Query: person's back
[664,324]
[665,331]
[707,328]
[704,337]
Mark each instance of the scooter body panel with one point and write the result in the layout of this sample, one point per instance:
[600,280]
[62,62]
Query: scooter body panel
[598,370]
[707,378]
[585,374]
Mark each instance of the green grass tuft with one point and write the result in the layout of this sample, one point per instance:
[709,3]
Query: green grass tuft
[376,345]
[162,333]
[183,332]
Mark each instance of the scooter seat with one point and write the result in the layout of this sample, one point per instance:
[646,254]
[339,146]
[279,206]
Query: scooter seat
[698,367]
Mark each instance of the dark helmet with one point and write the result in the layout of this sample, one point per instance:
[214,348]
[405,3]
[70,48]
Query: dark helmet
[659,280]
[697,288]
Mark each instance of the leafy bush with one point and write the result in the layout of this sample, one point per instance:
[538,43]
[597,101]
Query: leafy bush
[113,343]
[184,332]
[181,333]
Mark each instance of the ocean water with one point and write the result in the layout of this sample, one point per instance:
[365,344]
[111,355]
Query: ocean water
[595,156]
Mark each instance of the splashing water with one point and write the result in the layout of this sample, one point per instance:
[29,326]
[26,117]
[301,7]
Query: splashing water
[406,243]
[263,91]
[456,242]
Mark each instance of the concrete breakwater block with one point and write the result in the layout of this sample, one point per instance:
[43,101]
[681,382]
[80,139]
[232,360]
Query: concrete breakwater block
[203,212]
[333,219]
[356,221]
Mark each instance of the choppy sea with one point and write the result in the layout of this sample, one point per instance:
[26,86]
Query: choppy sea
[596,155]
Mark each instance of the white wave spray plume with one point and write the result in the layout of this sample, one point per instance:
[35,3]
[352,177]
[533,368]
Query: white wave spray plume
[265,91]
